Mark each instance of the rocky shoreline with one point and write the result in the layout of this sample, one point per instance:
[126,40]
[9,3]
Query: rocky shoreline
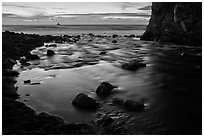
[21,119]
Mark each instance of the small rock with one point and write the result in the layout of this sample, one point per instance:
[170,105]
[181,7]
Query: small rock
[133,105]
[114,41]
[27,81]
[114,35]
[27,94]
[133,65]
[104,88]
[105,120]
[102,53]
[84,101]
[35,83]
[132,36]
[50,52]
[138,36]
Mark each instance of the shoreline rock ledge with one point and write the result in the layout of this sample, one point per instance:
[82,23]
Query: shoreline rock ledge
[175,22]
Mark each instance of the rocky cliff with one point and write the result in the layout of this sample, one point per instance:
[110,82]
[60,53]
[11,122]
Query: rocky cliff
[175,22]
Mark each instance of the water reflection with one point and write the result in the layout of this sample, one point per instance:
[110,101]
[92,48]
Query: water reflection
[170,84]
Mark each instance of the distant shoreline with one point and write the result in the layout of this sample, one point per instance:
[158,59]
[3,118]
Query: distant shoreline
[76,29]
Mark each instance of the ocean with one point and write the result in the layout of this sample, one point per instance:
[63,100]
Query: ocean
[76,29]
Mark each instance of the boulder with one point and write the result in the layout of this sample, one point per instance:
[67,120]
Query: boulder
[133,65]
[102,53]
[27,81]
[104,89]
[84,101]
[132,105]
[50,52]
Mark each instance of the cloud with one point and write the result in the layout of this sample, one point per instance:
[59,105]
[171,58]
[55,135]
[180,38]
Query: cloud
[126,17]
[22,10]
[30,20]
[64,16]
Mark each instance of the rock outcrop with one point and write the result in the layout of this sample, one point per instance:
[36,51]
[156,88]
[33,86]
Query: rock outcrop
[50,52]
[84,101]
[175,22]
[104,89]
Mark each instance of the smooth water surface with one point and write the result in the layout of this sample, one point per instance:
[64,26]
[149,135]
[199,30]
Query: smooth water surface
[170,85]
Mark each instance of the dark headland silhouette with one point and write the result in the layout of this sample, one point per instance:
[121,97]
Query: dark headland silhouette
[175,22]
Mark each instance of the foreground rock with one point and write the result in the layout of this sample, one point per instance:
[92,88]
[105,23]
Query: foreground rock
[50,52]
[175,22]
[104,89]
[133,65]
[130,105]
[104,120]
[84,101]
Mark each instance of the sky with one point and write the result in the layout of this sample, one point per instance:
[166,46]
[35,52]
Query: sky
[66,13]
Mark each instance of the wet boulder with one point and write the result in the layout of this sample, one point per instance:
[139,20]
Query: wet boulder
[50,52]
[32,57]
[132,105]
[84,101]
[133,65]
[104,89]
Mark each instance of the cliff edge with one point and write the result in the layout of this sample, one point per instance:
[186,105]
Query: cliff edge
[175,22]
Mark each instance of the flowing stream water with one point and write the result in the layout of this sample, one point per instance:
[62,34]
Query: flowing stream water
[170,85]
